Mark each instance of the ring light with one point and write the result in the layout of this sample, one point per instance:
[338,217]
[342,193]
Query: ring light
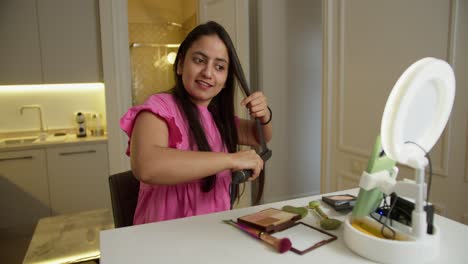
[415,115]
[417,110]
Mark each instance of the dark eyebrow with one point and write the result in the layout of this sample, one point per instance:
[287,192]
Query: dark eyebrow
[204,55]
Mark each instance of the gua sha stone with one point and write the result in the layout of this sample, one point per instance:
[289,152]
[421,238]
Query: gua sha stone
[326,222]
[302,211]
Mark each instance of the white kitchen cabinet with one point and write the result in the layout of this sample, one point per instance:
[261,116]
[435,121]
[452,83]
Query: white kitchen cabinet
[50,41]
[70,40]
[20,55]
[78,178]
[24,191]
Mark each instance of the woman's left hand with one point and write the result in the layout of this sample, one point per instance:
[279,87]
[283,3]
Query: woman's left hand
[257,105]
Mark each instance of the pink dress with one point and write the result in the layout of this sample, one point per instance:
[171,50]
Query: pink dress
[164,202]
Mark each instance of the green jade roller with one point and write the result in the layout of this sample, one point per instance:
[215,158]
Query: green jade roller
[326,222]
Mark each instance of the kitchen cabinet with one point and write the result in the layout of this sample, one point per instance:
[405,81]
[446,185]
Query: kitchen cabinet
[70,40]
[51,180]
[24,191]
[20,52]
[78,178]
[50,41]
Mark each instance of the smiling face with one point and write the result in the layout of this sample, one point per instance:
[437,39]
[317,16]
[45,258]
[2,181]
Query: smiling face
[204,69]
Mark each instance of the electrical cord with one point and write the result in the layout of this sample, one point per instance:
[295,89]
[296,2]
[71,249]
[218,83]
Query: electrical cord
[386,219]
[385,206]
[428,208]
[429,181]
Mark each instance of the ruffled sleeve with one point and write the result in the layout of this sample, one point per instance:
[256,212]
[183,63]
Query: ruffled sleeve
[162,105]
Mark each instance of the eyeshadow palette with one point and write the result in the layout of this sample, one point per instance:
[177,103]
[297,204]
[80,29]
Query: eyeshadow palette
[270,220]
[340,202]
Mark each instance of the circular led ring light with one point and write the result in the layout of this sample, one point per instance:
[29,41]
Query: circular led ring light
[417,109]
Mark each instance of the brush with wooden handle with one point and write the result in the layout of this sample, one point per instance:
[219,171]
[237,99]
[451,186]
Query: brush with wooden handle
[281,245]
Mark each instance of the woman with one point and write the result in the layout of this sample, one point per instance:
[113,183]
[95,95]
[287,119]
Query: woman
[183,144]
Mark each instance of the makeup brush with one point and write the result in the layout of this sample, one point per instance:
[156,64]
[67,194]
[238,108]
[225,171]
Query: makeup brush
[281,245]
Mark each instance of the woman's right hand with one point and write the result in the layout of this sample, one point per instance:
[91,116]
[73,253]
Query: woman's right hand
[248,160]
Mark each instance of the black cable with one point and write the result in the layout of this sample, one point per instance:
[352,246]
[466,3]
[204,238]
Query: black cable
[240,193]
[386,219]
[429,181]
[233,193]
[428,208]
[385,206]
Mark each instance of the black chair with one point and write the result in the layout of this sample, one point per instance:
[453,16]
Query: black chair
[124,189]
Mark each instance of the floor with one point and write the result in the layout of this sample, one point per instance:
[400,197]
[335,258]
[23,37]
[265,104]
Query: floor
[13,250]
[13,247]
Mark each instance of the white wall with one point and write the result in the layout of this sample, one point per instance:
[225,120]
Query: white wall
[369,48]
[58,106]
[289,62]
[116,69]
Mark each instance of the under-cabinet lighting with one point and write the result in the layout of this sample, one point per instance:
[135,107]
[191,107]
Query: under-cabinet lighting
[72,87]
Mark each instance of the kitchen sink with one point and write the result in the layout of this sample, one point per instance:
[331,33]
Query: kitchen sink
[33,139]
[19,140]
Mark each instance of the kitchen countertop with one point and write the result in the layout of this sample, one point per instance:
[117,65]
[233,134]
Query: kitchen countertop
[68,238]
[68,140]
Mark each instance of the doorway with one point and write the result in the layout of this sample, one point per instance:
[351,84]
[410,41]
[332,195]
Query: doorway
[155,30]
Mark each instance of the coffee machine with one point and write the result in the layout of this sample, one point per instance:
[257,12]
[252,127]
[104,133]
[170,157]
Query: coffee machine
[80,119]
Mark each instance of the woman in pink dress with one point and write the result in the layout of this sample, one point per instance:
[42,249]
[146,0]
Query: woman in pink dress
[184,144]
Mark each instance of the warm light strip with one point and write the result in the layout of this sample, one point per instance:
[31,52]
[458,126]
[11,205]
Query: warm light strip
[51,87]
[92,255]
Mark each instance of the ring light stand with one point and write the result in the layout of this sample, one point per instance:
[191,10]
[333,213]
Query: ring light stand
[415,116]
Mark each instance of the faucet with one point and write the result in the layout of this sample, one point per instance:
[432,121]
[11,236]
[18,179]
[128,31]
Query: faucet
[43,132]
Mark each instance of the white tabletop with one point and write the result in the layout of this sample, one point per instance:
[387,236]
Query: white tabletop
[205,239]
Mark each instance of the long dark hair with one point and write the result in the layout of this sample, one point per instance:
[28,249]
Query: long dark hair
[221,106]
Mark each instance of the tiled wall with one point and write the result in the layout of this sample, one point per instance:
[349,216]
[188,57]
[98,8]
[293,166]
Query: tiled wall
[151,72]
[150,22]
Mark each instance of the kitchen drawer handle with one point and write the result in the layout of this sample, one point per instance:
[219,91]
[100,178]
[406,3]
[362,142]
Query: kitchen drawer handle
[17,158]
[77,152]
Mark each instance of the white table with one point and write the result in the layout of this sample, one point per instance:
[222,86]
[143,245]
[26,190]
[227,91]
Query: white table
[205,239]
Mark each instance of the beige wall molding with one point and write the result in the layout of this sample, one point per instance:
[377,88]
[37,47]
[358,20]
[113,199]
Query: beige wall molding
[466,154]
[440,154]
[117,78]
[363,60]
[347,180]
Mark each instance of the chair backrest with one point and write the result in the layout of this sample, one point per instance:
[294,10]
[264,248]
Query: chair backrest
[124,189]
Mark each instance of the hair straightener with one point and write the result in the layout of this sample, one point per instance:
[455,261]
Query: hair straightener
[265,153]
